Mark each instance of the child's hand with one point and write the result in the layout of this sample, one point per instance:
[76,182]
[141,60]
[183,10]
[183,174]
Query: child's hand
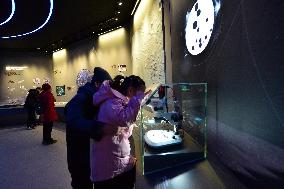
[148,92]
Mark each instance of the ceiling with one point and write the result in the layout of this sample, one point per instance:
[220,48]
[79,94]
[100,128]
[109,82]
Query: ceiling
[70,21]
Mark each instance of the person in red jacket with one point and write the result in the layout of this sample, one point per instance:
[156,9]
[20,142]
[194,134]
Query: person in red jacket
[48,115]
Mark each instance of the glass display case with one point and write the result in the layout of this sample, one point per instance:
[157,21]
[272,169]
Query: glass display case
[172,126]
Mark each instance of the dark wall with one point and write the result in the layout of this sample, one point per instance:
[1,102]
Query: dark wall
[243,65]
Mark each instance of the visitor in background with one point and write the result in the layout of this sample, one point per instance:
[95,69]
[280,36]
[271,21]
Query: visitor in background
[112,166]
[30,106]
[81,125]
[39,90]
[48,115]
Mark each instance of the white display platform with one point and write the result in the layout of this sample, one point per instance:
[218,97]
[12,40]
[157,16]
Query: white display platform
[60,104]
[161,138]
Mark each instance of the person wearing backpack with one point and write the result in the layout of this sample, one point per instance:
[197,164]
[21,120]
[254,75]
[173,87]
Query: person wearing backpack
[48,115]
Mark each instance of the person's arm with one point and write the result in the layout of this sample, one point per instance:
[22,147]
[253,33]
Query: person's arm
[76,120]
[123,115]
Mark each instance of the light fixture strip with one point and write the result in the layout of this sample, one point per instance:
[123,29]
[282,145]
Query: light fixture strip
[109,30]
[134,9]
[28,33]
[8,68]
[11,15]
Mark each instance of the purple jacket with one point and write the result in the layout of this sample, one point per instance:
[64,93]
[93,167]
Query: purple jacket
[111,156]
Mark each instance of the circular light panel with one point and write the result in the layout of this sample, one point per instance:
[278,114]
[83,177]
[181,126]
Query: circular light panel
[199,26]
[35,30]
[11,15]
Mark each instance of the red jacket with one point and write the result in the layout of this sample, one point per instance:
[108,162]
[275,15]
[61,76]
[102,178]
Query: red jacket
[47,101]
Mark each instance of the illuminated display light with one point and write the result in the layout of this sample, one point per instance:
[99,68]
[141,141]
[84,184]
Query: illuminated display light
[11,15]
[8,68]
[199,26]
[35,30]
[60,90]
[134,9]
[109,30]
[120,3]
[59,53]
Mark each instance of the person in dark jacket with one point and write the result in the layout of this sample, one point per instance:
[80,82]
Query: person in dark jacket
[30,105]
[49,114]
[81,125]
[38,121]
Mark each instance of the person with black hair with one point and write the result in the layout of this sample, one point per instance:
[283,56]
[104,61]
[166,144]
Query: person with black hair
[30,105]
[81,125]
[112,166]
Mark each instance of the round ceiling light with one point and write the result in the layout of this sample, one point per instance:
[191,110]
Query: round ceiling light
[35,30]
[199,26]
[11,15]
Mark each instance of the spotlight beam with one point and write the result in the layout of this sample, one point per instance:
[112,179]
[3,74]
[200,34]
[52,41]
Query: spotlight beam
[11,15]
[35,30]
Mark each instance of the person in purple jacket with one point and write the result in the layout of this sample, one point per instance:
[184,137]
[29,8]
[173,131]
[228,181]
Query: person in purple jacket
[112,166]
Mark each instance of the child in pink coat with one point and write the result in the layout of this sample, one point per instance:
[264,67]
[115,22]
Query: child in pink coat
[112,166]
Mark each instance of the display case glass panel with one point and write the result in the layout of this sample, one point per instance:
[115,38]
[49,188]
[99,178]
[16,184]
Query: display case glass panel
[172,126]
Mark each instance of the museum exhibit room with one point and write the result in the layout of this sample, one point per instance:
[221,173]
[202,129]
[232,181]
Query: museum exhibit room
[210,115]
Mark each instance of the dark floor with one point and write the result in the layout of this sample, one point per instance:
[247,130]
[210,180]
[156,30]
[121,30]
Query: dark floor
[25,163]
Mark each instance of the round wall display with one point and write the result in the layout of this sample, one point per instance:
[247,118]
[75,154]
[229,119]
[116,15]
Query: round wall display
[199,26]
[83,77]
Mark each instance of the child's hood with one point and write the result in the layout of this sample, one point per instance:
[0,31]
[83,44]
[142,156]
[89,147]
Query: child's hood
[104,93]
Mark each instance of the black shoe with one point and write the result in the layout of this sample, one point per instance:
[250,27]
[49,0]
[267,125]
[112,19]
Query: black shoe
[44,142]
[51,141]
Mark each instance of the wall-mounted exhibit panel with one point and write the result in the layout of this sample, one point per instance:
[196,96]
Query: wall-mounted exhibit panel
[173,126]
[20,72]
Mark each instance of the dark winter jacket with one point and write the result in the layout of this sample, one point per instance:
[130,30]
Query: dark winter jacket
[31,100]
[81,124]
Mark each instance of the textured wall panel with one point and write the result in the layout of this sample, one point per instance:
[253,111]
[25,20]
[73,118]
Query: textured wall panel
[147,43]
[108,51]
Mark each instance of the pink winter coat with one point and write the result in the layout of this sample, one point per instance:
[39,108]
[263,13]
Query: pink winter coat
[111,156]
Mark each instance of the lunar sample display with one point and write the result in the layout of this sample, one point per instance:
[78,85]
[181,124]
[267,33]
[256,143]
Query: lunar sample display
[199,26]
[173,125]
